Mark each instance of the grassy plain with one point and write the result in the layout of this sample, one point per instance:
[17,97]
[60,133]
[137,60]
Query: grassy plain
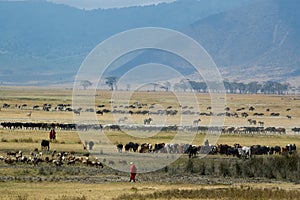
[27,140]
[79,191]
[40,96]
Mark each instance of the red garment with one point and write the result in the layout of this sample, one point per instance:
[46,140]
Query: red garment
[133,172]
[133,169]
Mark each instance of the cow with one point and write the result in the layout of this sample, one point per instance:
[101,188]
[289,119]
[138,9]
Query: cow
[76,112]
[160,147]
[119,147]
[244,114]
[196,122]
[245,152]
[145,148]
[148,121]
[251,108]
[192,150]
[252,121]
[291,148]
[131,146]
[99,112]
[296,130]
[261,123]
[223,149]
[172,148]
[45,144]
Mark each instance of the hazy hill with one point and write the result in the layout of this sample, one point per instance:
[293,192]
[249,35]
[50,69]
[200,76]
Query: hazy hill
[258,41]
[42,42]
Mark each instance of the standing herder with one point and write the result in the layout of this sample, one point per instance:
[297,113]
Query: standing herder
[133,172]
[52,134]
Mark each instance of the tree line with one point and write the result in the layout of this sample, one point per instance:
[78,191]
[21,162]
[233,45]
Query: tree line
[231,87]
[254,87]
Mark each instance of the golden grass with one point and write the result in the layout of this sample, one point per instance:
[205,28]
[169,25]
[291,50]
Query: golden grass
[48,190]
[39,96]
[27,140]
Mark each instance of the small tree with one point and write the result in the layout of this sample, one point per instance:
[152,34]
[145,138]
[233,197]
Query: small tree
[85,84]
[111,82]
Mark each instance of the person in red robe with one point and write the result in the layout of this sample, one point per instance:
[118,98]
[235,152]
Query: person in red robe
[133,172]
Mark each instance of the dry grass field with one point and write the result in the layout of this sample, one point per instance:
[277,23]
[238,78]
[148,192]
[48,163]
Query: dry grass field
[61,191]
[39,96]
[27,140]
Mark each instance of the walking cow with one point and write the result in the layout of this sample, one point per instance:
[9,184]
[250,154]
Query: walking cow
[45,144]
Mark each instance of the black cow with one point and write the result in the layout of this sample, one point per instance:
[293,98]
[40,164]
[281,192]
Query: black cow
[233,151]
[291,148]
[120,147]
[160,147]
[45,144]
[131,145]
[192,151]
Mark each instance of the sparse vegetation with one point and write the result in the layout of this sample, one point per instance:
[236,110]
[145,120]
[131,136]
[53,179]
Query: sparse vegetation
[216,193]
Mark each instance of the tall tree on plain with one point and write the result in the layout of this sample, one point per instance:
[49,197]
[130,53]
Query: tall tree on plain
[85,84]
[111,82]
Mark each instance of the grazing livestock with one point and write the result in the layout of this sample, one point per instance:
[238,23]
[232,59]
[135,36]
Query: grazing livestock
[223,149]
[45,144]
[251,108]
[193,150]
[99,112]
[35,107]
[240,109]
[258,114]
[172,148]
[76,112]
[261,123]
[291,148]
[252,121]
[131,146]
[5,105]
[274,114]
[245,152]
[120,148]
[196,122]
[148,121]
[159,148]
[145,148]
[244,114]
[296,130]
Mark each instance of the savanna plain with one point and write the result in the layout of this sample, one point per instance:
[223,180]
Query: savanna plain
[212,176]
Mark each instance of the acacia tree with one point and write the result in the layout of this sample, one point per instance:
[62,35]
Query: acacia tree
[111,82]
[85,84]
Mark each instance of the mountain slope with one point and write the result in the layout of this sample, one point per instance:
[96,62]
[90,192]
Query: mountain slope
[260,38]
[48,42]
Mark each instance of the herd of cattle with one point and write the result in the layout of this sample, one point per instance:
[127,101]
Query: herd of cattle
[147,127]
[70,158]
[140,109]
[57,158]
[192,150]
[145,109]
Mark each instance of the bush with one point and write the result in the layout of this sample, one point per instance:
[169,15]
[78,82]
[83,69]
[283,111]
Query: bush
[224,168]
